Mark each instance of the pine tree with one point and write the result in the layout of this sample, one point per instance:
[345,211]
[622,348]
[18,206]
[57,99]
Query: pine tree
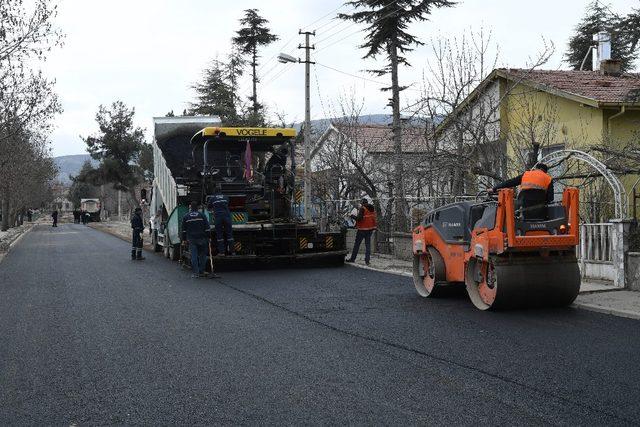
[117,146]
[214,95]
[249,38]
[600,17]
[387,34]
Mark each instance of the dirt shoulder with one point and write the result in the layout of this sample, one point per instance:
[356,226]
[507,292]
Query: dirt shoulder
[122,230]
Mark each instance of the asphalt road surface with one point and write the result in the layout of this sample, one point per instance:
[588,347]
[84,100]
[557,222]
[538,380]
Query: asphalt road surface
[90,337]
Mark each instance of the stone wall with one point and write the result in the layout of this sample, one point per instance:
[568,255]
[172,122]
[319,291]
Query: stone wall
[633,271]
[351,238]
[402,246]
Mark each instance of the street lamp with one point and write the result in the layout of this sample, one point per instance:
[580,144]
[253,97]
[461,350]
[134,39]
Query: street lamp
[284,58]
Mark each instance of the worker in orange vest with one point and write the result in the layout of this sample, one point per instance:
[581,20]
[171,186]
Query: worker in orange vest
[366,223]
[536,191]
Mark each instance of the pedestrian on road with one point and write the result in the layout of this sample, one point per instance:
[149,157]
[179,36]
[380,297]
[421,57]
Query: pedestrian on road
[536,191]
[54,215]
[219,203]
[366,223]
[195,230]
[76,216]
[29,215]
[137,227]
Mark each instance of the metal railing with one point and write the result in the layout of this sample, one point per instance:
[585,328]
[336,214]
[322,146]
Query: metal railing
[596,242]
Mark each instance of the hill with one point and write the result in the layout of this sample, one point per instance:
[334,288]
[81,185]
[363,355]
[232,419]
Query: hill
[71,165]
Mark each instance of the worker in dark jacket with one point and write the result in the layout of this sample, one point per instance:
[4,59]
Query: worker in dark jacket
[366,223]
[536,191]
[219,204]
[137,227]
[275,166]
[195,230]
[54,215]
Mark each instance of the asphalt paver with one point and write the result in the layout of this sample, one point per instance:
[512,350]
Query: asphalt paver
[91,337]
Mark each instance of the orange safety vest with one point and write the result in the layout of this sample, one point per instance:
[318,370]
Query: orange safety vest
[368,221]
[535,180]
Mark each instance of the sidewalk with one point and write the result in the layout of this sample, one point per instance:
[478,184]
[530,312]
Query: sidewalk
[598,297]
[11,236]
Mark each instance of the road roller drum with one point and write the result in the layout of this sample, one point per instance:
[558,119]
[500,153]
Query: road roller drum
[504,261]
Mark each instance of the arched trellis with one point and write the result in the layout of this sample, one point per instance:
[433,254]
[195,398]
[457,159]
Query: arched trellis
[619,193]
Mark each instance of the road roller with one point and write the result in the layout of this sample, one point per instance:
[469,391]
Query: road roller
[504,259]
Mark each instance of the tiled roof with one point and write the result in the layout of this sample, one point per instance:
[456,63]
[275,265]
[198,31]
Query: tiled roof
[623,88]
[379,138]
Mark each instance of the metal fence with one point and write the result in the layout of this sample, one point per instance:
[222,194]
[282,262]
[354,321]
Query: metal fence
[596,251]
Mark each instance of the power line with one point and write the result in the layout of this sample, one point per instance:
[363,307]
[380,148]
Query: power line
[352,75]
[295,35]
[324,16]
[277,76]
[315,75]
[355,23]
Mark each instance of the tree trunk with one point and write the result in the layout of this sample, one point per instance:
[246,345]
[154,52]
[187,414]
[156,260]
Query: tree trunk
[5,212]
[398,169]
[255,88]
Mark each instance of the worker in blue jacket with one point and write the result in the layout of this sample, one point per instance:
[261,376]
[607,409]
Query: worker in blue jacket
[195,230]
[219,204]
[137,227]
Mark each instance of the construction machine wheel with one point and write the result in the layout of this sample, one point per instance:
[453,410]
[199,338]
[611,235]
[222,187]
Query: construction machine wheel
[174,252]
[154,242]
[428,272]
[532,281]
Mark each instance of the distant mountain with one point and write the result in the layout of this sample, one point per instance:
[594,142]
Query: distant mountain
[71,165]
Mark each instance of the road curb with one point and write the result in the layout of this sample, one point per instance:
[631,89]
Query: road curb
[606,310]
[380,270]
[16,240]
[114,234]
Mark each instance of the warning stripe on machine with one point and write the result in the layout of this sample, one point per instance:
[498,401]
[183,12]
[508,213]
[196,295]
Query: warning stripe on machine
[328,241]
[238,217]
[304,243]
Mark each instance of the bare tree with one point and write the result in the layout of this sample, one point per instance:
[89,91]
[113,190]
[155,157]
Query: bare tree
[466,106]
[27,101]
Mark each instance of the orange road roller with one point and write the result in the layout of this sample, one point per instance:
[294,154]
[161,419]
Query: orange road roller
[504,258]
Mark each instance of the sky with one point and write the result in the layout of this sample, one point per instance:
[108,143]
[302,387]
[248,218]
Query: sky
[148,53]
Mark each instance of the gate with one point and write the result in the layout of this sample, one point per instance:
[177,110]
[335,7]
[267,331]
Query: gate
[595,252]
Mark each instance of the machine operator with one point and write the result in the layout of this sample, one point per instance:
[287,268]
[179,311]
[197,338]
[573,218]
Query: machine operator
[536,191]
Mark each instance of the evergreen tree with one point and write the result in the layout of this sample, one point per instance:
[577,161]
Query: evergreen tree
[600,17]
[118,147]
[387,34]
[215,95]
[82,186]
[253,34]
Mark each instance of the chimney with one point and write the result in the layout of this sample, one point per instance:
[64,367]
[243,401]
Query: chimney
[602,50]
[610,67]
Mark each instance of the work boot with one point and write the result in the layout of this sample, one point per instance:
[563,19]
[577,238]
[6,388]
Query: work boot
[140,258]
[133,255]
[348,260]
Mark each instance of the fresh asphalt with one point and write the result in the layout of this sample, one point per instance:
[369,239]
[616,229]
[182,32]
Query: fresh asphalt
[90,337]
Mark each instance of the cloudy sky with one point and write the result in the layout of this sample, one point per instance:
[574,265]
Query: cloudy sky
[148,53]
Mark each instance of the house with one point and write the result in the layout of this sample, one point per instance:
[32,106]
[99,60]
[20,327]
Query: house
[516,114]
[351,160]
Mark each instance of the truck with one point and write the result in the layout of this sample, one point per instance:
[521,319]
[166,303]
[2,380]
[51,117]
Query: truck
[92,207]
[196,157]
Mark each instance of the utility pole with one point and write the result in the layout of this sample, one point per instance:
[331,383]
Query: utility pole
[307,122]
